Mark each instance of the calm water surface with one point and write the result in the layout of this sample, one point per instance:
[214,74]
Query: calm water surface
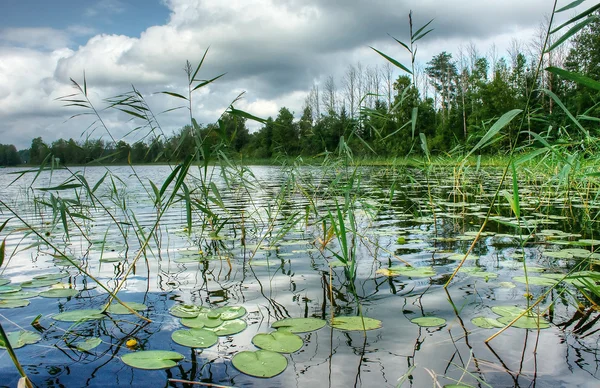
[276,270]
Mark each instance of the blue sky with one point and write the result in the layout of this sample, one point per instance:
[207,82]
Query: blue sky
[273,51]
[84,18]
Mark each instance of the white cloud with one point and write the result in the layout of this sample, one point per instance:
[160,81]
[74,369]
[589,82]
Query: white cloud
[272,49]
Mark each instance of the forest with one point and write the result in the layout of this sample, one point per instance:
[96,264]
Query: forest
[452,100]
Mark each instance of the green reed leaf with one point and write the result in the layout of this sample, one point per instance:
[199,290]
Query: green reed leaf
[575,77]
[392,61]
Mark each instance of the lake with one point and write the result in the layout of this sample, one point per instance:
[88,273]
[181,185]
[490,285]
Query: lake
[268,239]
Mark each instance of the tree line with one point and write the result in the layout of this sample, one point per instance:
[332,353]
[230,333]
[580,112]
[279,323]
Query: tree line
[452,100]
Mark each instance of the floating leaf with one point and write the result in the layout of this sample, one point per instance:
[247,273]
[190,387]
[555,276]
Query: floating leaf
[416,272]
[118,308]
[278,341]
[9,288]
[18,339]
[152,359]
[460,256]
[79,315]
[507,311]
[535,280]
[11,304]
[51,276]
[58,293]
[299,325]
[205,318]
[557,254]
[429,321]
[355,323]
[186,310]
[486,323]
[227,313]
[195,338]
[525,322]
[261,363]
[88,344]
[19,295]
[38,283]
[231,327]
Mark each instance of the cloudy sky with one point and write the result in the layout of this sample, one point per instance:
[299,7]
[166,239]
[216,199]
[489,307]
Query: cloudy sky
[274,50]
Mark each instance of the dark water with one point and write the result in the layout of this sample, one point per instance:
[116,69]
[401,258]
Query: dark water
[297,280]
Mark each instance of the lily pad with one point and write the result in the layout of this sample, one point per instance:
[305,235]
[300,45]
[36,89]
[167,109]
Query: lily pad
[525,322]
[9,288]
[38,283]
[205,318]
[557,254]
[4,281]
[79,315]
[486,323]
[186,310]
[88,344]
[18,339]
[261,363]
[278,341]
[230,327]
[59,293]
[299,325]
[355,323]
[536,280]
[413,272]
[195,338]
[429,321]
[19,295]
[118,308]
[507,311]
[13,303]
[152,359]
[228,313]
[460,256]
[51,276]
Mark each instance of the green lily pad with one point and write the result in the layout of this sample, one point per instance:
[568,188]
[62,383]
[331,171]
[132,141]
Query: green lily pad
[413,272]
[337,263]
[486,323]
[19,295]
[88,344]
[18,339]
[38,283]
[536,280]
[557,254]
[118,308]
[13,303]
[79,315]
[525,322]
[4,281]
[278,341]
[205,318]
[355,323]
[59,293]
[186,310]
[261,363]
[195,338]
[51,276]
[152,359]
[299,325]
[228,313]
[9,288]
[230,327]
[460,256]
[588,242]
[429,321]
[507,311]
